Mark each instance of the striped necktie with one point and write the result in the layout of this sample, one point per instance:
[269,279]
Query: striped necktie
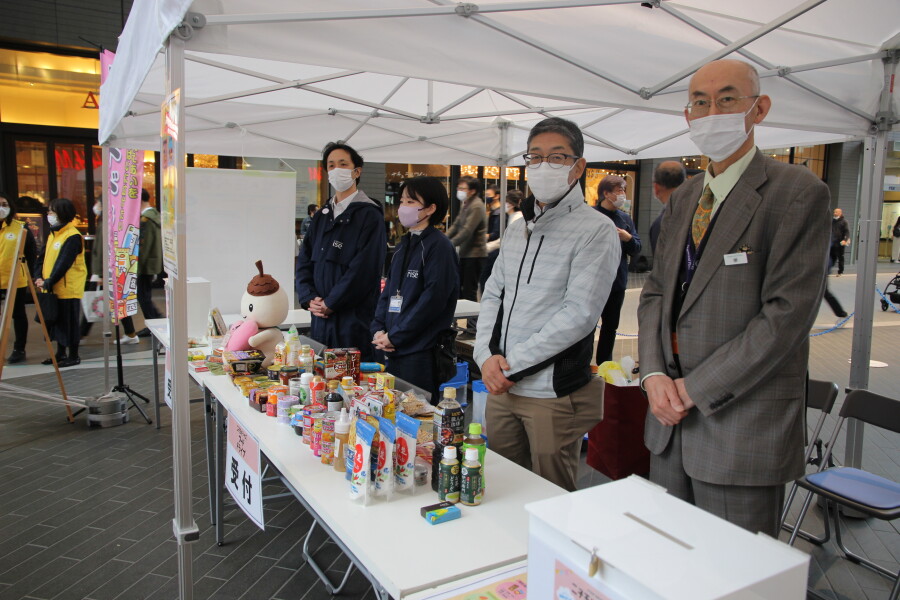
[702,216]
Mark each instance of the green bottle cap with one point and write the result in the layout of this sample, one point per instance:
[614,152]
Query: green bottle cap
[475,428]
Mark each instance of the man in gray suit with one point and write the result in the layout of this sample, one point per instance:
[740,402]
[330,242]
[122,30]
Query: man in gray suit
[725,315]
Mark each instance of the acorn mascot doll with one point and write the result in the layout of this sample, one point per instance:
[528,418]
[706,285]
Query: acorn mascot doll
[264,306]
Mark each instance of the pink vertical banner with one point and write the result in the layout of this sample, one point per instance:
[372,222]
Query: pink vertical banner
[106,61]
[126,175]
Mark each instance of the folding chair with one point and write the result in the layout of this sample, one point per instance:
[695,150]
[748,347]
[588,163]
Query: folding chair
[821,396]
[856,489]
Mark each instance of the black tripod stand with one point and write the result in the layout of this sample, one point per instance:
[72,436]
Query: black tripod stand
[123,387]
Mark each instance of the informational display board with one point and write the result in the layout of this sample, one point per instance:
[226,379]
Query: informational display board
[242,471]
[126,176]
[235,218]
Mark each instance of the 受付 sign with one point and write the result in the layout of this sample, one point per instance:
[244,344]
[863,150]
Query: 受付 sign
[242,474]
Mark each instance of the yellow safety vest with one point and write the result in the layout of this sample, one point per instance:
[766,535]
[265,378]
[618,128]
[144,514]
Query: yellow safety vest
[9,244]
[72,283]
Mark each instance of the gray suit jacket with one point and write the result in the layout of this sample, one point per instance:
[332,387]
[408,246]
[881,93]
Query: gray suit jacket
[743,329]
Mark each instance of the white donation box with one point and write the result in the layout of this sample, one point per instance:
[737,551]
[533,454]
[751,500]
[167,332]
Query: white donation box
[630,540]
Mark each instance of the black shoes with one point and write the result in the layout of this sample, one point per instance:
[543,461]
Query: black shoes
[143,333]
[49,361]
[69,362]
[17,356]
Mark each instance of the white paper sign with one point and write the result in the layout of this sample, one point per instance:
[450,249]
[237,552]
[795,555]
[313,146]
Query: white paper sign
[242,474]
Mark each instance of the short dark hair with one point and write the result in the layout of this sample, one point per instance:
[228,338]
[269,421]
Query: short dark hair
[145,195]
[431,191]
[563,127]
[472,183]
[12,207]
[311,208]
[493,188]
[609,183]
[64,209]
[669,176]
[514,198]
[332,146]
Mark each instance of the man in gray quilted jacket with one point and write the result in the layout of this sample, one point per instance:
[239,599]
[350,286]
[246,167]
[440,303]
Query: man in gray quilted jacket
[539,310]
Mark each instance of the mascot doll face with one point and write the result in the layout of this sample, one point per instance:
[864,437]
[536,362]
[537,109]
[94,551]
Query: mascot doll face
[267,311]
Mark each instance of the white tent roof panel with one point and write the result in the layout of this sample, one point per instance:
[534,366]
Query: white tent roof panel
[425,73]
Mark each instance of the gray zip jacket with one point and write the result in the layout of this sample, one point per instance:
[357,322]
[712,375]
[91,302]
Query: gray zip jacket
[545,295]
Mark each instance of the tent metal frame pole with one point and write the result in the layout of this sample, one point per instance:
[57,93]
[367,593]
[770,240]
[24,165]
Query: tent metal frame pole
[374,112]
[183,525]
[459,101]
[502,162]
[431,11]
[733,46]
[661,140]
[867,265]
[105,278]
[784,72]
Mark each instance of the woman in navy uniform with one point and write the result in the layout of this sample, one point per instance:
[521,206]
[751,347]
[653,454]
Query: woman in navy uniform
[420,295]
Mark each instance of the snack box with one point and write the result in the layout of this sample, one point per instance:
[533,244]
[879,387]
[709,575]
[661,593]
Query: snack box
[441,512]
[198,366]
[335,363]
[243,361]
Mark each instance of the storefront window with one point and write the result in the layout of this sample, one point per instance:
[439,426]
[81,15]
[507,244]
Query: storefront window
[206,161]
[70,178]
[33,171]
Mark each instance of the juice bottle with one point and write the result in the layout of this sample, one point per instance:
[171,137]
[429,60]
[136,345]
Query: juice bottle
[448,476]
[470,479]
[333,399]
[447,430]
[474,439]
[346,389]
[317,390]
[341,436]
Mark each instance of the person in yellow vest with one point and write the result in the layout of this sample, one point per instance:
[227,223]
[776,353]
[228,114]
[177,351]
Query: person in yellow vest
[64,273]
[10,230]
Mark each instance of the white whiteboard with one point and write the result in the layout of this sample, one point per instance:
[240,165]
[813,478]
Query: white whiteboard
[235,218]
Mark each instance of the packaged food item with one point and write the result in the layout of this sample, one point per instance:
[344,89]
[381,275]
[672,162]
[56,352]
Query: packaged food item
[384,381]
[274,372]
[278,359]
[448,476]
[315,441]
[297,422]
[414,406]
[423,471]
[295,387]
[371,367]
[285,403]
[346,390]
[327,447]
[243,362]
[308,412]
[441,513]
[317,390]
[333,399]
[384,474]
[341,436]
[447,428]
[390,404]
[405,453]
[470,488]
[259,398]
[361,477]
[335,363]
[287,373]
[272,406]
[353,362]
[474,439]
[305,381]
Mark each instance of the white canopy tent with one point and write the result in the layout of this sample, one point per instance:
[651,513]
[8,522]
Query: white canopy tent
[437,82]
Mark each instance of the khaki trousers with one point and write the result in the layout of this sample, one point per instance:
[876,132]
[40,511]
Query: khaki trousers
[544,434]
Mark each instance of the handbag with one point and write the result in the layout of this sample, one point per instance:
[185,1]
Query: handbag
[49,305]
[444,355]
[92,305]
[616,444]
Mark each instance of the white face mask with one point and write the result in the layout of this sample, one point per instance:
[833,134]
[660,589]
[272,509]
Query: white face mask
[619,202]
[98,209]
[462,195]
[4,212]
[54,222]
[341,179]
[546,183]
[719,136]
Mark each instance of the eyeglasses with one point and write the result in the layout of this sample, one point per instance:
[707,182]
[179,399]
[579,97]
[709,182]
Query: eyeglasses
[555,160]
[699,108]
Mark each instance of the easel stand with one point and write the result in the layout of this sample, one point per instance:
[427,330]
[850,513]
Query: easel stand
[7,317]
[123,387]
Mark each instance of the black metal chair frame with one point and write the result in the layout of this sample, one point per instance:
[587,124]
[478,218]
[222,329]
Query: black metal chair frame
[820,395]
[875,410]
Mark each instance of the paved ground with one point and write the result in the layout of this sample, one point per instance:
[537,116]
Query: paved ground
[86,513]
